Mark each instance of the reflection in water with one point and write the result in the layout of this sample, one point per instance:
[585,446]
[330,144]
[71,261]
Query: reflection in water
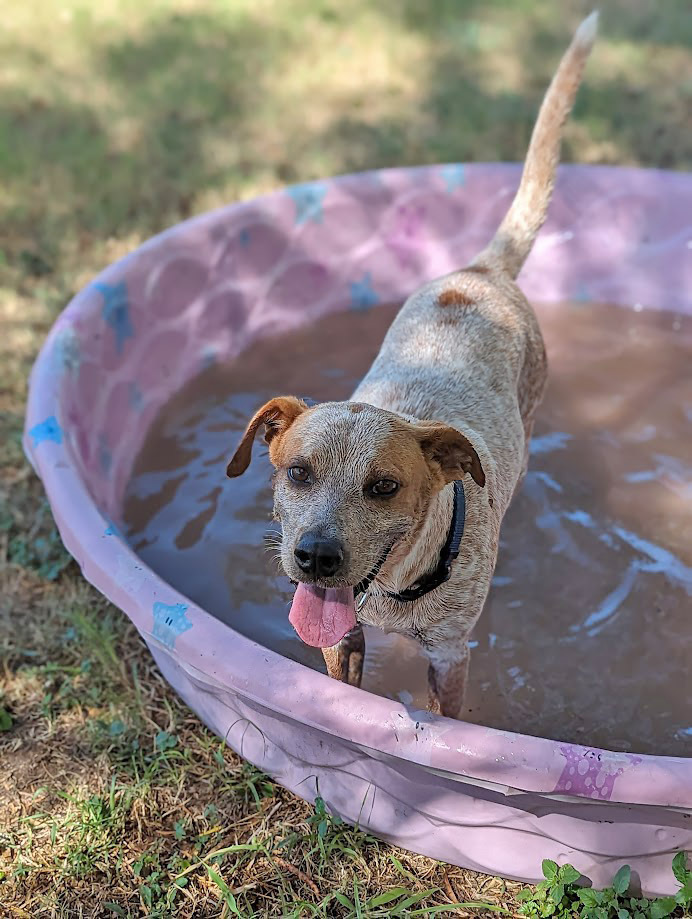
[586,635]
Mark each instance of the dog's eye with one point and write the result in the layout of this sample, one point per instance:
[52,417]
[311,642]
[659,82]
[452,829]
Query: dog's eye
[384,488]
[299,474]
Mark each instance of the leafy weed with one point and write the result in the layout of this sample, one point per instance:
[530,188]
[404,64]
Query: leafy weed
[560,896]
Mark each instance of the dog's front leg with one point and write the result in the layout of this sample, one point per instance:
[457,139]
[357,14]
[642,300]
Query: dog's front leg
[345,660]
[447,674]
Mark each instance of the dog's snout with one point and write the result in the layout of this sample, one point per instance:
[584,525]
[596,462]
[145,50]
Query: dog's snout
[319,556]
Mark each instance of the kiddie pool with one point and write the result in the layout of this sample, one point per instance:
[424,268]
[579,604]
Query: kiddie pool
[478,797]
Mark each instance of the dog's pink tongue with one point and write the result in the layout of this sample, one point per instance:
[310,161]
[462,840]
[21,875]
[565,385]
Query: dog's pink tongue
[322,616]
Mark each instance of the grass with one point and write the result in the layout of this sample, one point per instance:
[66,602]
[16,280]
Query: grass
[118,119]
[560,896]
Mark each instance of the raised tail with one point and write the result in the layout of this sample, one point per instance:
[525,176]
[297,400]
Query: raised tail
[512,243]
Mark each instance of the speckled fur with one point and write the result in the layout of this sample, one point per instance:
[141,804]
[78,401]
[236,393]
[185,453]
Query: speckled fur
[466,351]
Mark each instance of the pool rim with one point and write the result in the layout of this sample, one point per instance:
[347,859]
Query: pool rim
[476,754]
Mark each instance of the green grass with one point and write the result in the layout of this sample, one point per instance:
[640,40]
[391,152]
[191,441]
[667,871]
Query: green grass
[560,896]
[118,119]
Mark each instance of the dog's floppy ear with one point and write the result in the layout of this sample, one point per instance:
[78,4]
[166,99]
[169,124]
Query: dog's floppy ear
[277,416]
[451,451]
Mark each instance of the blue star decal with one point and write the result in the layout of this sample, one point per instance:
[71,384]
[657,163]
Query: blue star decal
[244,237]
[111,529]
[48,430]
[116,311]
[454,176]
[308,199]
[581,294]
[135,396]
[363,295]
[105,455]
[169,622]
[208,357]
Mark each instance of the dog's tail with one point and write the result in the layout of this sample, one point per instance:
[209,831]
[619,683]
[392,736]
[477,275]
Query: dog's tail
[512,243]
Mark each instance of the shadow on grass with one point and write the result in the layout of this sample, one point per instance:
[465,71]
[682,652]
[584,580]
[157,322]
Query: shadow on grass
[627,109]
[136,160]
[185,107]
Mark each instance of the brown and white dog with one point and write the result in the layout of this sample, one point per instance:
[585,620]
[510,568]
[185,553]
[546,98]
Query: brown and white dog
[372,493]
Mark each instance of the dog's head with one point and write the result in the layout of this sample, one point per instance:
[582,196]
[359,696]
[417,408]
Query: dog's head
[352,481]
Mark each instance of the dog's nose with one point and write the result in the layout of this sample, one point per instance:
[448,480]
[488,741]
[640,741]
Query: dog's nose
[319,556]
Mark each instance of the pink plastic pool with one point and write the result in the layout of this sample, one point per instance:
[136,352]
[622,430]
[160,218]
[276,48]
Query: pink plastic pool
[485,799]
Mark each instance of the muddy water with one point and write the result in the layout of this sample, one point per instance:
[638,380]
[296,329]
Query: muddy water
[587,634]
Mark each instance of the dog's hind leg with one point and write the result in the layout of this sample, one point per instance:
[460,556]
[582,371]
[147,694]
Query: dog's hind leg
[345,660]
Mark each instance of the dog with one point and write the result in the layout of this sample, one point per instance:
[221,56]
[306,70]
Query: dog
[390,503]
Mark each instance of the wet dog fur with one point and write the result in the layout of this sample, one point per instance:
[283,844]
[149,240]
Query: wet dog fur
[451,395]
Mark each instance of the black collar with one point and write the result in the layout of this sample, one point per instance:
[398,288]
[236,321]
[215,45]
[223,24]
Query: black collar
[448,554]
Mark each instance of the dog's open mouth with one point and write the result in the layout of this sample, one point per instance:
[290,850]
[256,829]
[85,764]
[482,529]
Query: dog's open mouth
[323,615]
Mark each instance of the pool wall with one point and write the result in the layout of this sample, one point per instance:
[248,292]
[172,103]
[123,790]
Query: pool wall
[200,293]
